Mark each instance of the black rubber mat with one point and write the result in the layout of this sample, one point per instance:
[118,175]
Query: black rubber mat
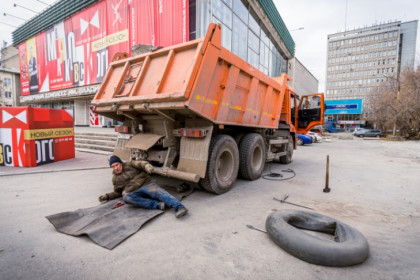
[108,226]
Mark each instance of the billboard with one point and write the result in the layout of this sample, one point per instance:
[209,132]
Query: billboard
[33,136]
[344,106]
[77,51]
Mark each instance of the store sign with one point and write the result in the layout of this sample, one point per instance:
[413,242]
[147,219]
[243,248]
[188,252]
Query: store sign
[344,106]
[77,51]
[72,92]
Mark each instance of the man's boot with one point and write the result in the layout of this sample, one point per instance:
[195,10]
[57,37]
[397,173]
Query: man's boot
[180,212]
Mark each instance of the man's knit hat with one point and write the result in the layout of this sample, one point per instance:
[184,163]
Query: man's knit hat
[114,159]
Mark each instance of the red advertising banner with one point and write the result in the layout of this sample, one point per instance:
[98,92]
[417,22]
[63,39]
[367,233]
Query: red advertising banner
[171,22]
[90,30]
[77,51]
[43,83]
[142,22]
[24,71]
[118,25]
[35,136]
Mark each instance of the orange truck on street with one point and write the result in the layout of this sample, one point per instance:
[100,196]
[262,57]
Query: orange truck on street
[198,112]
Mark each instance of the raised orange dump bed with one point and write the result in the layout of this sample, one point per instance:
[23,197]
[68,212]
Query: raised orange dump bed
[199,77]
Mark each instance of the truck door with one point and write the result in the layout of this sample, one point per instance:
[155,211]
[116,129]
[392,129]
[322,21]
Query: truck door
[310,112]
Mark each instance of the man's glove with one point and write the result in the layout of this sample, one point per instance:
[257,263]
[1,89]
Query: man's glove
[149,168]
[103,198]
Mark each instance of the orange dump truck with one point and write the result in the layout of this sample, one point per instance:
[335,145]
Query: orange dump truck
[197,112]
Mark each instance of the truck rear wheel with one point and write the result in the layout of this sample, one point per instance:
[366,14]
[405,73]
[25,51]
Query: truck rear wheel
[252,156]
[222,165]
[288,157]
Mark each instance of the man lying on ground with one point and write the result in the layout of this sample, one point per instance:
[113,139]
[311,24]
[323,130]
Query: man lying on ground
[132,181]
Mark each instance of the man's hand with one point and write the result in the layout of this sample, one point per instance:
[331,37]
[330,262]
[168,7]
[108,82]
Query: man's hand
[103,198]
[149,168]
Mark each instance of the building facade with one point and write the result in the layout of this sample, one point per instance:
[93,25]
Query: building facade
[303,81]
[360,60]
[9,57]
[9,87]
[64,52]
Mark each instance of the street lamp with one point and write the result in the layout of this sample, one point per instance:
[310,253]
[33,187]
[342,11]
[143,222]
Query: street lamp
[6,14]
[17,5]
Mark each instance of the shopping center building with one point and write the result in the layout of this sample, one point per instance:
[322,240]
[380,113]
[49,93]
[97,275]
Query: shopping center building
[64,52]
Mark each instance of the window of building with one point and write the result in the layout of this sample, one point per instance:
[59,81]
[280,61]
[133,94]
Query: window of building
[239,37]
[253,23]
[222,13]
[240,10]
[253,42]
[7,82]
[8,94]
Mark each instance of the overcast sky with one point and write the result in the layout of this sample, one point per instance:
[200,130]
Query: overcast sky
[322,17]
[319,18]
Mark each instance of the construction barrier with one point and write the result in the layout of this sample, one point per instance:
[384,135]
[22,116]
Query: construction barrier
[33,136]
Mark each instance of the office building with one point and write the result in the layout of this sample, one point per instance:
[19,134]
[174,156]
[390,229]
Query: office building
[360,60]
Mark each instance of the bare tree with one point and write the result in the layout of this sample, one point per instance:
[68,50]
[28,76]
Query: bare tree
[396,104]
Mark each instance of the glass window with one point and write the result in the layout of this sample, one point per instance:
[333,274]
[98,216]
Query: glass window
[264,37]
[222,12]
[8,94]
[253,41]
[226,35]
[253,58]
[240,10]
[7,82]
[253,24]
[264,55]
[239,38]
[228,2]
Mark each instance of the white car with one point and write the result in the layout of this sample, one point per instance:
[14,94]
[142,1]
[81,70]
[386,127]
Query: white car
[316,137]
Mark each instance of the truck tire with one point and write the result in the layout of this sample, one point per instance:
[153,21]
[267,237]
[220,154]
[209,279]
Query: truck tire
[349,246]
[222,165]
[252,156]
[288,157]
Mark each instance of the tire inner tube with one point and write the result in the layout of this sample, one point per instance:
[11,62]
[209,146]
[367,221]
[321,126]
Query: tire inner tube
[348,247]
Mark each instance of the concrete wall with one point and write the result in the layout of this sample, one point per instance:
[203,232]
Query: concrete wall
[303,81]
[81,112]
[10,57]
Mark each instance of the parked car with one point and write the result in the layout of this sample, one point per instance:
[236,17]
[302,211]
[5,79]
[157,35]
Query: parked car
[356,133]
[370,133]
[316,137]
[304,139]
[356,130]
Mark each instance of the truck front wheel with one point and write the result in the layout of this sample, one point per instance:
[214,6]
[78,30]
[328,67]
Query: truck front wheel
[222,165]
